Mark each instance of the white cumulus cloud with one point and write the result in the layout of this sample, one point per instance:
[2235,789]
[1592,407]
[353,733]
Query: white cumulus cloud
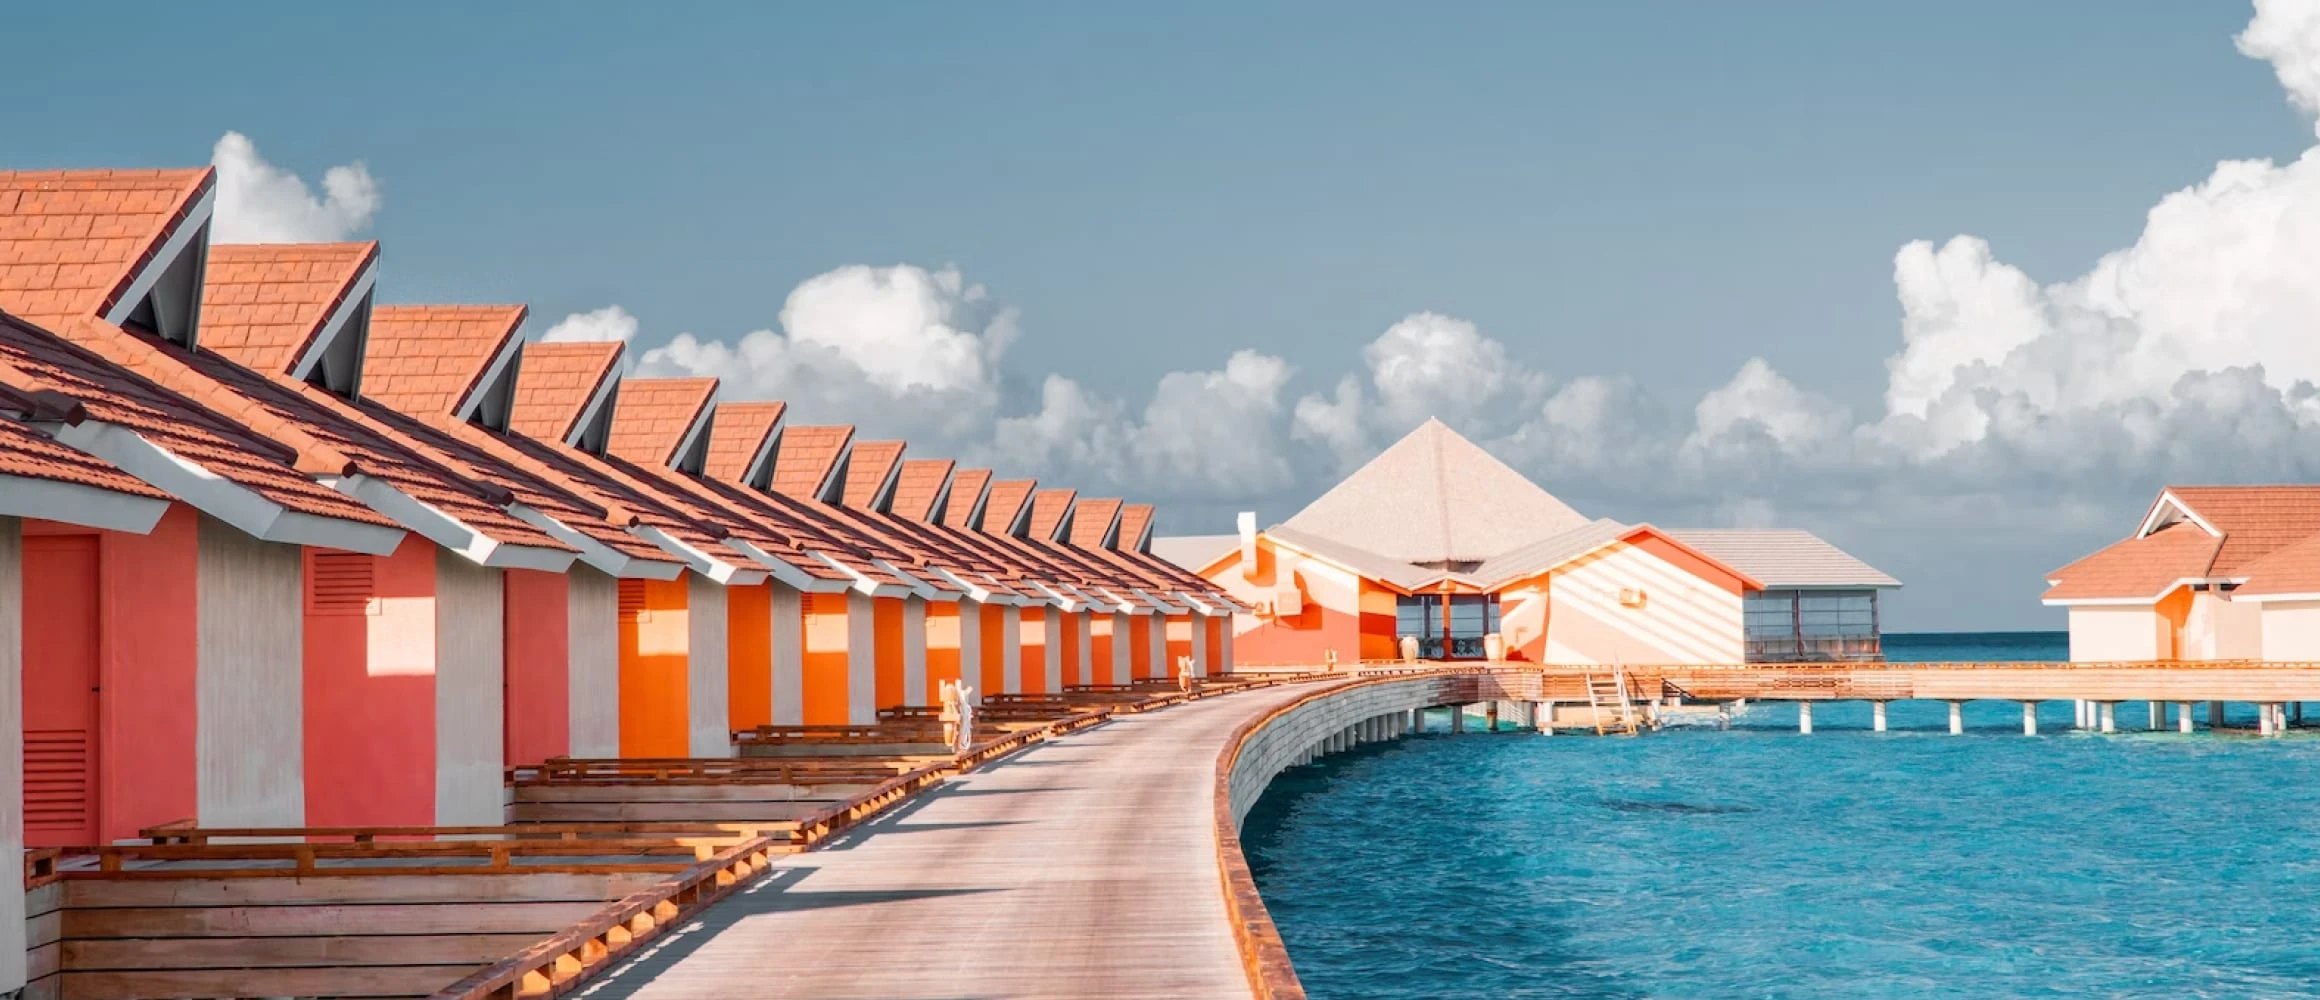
[258,202]
[608,323]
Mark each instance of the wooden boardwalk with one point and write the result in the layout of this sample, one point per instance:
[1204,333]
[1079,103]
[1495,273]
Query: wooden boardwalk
[1084,867]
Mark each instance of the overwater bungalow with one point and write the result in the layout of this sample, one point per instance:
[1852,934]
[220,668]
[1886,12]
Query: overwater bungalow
[2209,573]
[1436,550]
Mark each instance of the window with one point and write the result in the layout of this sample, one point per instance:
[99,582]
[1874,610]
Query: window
[1791,625]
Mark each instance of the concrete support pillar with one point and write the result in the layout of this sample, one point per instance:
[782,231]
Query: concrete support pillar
[2109,716]
[1490,716]
[1877,716]
[2183,716]
[1543,717]
[2158,716]
[1804,717]
[1415,722]
[2029,718]
[2263,719]
[2215,715]
[1457,718]
[1957,718]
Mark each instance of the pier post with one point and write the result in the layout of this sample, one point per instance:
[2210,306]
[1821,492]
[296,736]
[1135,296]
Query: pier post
[2263,719]
[1490,716]
[1417,721]
[1543,717]
[2215,715]
[2029,718]
[2183,716]
[2158,716]
[2110,716]
[1877,716]
[1724,715]
[1804,717]
[1957,718]
[1457,718]
[2299,720]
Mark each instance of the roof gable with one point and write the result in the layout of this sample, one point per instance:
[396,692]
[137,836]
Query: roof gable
[1786,559]
[1092,523]
[1007,509]
[2254,520]
[563,390]
[1051,513]
[810,461]
[741,440]
[657,421]
[295,309]
[123,246]
[2138,570]
[921,487]
[437,359]
[970,496]
[1135,528]
[1436,498]
[871,473]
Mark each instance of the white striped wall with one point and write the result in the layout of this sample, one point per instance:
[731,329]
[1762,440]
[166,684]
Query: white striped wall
[789,656]
[250,668]
[708,732]
[470,685]
[593,658]
[1683,618]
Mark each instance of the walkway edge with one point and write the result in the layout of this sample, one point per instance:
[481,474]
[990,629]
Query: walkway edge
[1263,955]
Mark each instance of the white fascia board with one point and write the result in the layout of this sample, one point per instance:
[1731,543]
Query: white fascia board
[2268,598]
[491,376]
[966,588]
[1088,602]
[1157,606]
[918,585]
[222,498]
[1195,603]
[603,558]
[336,326]
[1059,596]
[784,572]
[2167,499]
[717,570]
[596,403]
[866,585]
[179,238]
[74,503]
[436,525]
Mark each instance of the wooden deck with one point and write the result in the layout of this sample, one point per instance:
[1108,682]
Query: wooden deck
[1082,867]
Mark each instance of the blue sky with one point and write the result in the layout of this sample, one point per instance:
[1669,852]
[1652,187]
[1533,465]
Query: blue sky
[1654,190]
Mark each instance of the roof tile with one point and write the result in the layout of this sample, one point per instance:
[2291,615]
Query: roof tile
[806,457]
[737,435]
[868,468]
[919,489]
[262,304]
[555,384]
[653,415]
[426,359]
[74,239]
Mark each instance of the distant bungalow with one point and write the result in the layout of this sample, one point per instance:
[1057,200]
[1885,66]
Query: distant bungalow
[1437,541]
[2211,573]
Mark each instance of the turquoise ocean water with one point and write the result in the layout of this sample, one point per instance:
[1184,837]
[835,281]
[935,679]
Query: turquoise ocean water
[1757,862]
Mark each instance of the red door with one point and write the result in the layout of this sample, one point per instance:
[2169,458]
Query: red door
[60,690]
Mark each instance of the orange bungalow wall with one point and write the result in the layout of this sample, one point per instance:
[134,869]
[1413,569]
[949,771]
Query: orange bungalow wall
[993,648]
[1140,647]
[369,686]
[655,636]
[886,642]
[825,635]
[749,656]
[1335,610]
[1212,639]
[110,638]
[1031,633]
[1100,651]
[1179,643]
[1639,600]
[942,647]
[537,660]
[1064,625]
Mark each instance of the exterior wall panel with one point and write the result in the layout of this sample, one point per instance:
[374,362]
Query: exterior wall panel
[251,680]
[656,631]
[537,716]
[470,659]
[1630,604]
[789,656]
[370,686]
[2291,630]
[825,676]
[2103,633]
[749,655]
[708,661]
[593,658]
[12,940]
[914,649]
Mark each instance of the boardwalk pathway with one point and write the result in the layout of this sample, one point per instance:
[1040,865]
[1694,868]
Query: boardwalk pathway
[1084,867]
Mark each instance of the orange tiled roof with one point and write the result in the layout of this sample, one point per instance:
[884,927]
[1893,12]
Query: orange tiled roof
[1008,498]
[2255,520]
[920,486]
[71,240]
[555,383]
[967,486]
[426,359]
[807,454]
[31,454]
[2290,569]
[1047,510]
[1135,519]
[262,304]
[32,359]
[1091,520]
[2145,567]
[652,415]
[737,433]
[868,468]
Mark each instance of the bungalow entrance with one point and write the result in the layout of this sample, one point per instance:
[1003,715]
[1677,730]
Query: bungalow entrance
[1447,626]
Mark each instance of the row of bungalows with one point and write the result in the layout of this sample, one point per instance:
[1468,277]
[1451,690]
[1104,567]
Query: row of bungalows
[2209,573]
[273,554]
[1437,550]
